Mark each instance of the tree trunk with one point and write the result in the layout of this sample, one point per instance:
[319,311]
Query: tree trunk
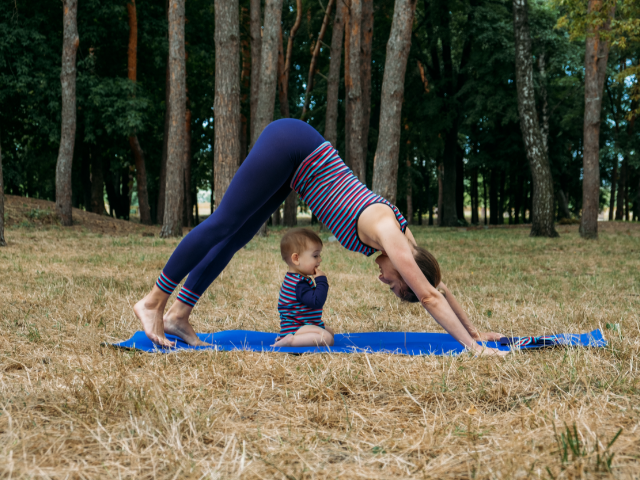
[460,184]
[172,224]
[596,57]
[256,47]
[474,197]
[3,243]
[227,99]
[245,80]
[314,59]
[283,80]
[353,81]
[622,183]
[138,154]
[440,172]
[333,83]
[543,206]
[409,191]
[165,142]
[493,197]
[367,41]
[385,164]
[348,107]
[85,175]
[563,204]
[449,180]
[97,184]
[291,210]
[614,182]
[68,128]
[268,73]
[187,217]
[269,67]
[518,198]
[484,196]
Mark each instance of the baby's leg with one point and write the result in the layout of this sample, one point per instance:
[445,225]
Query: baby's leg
[307,336]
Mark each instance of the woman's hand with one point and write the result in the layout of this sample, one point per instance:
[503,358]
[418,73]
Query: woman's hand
[487,336]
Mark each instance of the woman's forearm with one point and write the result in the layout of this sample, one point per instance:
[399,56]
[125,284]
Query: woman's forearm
[441,311]
[459,311]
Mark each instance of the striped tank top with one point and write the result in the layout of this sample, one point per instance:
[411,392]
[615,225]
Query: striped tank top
[336,196]
[293,313]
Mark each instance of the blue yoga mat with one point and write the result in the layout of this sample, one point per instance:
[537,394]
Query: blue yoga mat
[403,343]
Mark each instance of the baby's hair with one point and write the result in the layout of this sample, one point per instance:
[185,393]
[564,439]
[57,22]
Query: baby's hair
[296,241]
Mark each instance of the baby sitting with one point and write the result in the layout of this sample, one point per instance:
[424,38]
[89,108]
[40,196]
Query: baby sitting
[303,292]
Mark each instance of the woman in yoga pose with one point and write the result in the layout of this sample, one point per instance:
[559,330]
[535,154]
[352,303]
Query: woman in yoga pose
[291,154]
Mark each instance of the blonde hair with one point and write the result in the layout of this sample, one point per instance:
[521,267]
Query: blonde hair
[296,241]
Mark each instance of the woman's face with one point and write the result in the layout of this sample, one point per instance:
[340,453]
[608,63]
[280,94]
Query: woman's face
[389,275]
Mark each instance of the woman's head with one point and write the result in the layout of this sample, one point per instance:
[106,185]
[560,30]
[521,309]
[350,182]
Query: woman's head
[390,276]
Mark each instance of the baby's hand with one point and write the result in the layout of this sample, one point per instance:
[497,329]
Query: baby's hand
[319,273]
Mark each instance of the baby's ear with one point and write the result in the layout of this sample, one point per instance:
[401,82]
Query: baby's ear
[295,259]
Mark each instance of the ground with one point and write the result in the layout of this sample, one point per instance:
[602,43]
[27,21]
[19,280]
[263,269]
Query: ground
[72,408]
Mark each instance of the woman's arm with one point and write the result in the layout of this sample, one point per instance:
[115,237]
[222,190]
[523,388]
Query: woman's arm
[464,319]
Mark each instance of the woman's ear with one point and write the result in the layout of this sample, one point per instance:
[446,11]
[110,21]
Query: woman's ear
[295,259]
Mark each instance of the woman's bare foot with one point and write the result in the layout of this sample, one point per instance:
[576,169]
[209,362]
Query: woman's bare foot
[284,341]
[176,322]
[149,311]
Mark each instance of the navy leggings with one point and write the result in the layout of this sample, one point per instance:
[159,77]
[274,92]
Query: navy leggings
[256,191]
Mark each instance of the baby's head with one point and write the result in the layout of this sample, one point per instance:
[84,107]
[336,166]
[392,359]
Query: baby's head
[300,249]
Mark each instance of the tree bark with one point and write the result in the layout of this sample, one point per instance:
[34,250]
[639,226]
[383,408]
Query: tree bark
[97,184]
[68,128]
[348,107]
[165,142]
[474,196]
[367,41]
[283,74]
[268,73]
[290,217]
[543,205]
[385,163]
[174,192]
[256,47]
[333,83]
[314,59]
[227,97]
[187,217]
[269,67]
[409,191]
[3,243]
[622,183]
[440,172]
[596,57]
[614,182]
[353,81]
[138,154]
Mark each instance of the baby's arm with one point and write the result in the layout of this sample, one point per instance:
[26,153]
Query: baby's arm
[313,297]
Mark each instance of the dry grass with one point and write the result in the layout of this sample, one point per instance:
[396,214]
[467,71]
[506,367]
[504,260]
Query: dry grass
[72,409]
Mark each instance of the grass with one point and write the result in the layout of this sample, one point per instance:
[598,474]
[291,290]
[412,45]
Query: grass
[72,409]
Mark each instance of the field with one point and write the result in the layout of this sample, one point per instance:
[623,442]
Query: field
[71,408]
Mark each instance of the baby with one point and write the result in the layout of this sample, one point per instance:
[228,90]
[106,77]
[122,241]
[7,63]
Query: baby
[303,292]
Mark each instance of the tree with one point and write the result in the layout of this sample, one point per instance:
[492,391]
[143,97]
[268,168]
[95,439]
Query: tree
[314,59]
[367,40]
[256,47]
[333,82]
[3,243]
[385,166]
[227,99]
[138,154]
[68,130]
[596,58]
[543,206]
[353,85]
[174,189]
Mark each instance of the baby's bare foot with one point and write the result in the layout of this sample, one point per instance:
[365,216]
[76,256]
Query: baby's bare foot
[151,319]
[180,327]
[284,341]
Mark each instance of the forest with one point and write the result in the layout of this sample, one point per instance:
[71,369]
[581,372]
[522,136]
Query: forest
[455,147]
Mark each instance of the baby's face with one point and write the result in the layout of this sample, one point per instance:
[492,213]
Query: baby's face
[309,259]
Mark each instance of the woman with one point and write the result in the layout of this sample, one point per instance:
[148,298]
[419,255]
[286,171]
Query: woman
[291,154]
